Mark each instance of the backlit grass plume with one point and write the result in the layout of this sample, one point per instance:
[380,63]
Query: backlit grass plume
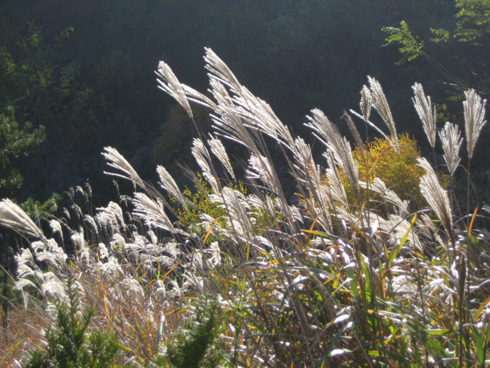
[436,196]
[451,143]
[474,119]
[379,102]
[426,112]
[13,217]
[328,261]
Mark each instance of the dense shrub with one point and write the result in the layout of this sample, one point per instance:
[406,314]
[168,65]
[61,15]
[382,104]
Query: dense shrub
[398,170]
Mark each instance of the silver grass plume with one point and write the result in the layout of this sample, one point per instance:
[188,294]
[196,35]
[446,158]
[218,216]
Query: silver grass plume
[168,183]
[56,228]
[152,212]
[427,113]
[49,252]
[335,183]
[435,195]
[118,162]
[260,116]
[474,115]
[13,217]
[379,102]
[226,120]
[306,171]
[451,143]
[220,152]
[203,159]
[237,208]
[92,224]
[388,195]
[355,133]
[261,168]
[329,135]
[365,103]
[220,71]
[111,217]
[168,82]
[257,114]
[198,97]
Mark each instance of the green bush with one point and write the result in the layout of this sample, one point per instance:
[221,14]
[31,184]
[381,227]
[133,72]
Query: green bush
[70,345]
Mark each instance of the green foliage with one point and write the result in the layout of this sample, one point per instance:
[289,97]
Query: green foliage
[409,46]
[70,345]
[473,20]
[195,347]
[37,210]
[14,143]
[200,202]
[472,28]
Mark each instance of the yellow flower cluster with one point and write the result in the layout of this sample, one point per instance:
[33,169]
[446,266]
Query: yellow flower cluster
[398,170]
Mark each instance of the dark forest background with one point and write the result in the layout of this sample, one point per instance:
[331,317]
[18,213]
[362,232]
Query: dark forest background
[85,71]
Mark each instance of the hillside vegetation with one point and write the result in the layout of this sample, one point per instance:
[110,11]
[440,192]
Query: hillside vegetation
[360,264]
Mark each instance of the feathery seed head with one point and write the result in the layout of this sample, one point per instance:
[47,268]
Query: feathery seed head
[118,162]
[435,195]
[168,183]
[329,135]
[168,82]
[451,143]
[366,102]
[220,152]
[426,112]
[13,217]
[379,102]
[474,115]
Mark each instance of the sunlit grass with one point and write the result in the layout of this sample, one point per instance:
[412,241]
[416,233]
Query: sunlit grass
[344,273]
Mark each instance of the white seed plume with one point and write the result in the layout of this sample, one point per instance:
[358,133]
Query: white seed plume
[260,168]
[152,211]
[203,159]
[237,208]
[379,102]
[366,102]
[451,144]
[259,115]
[56,227]
[330,136]
[13,217]
[335,183]
[427,113]
[110,217]
[168,82]
[168,183]
[388,195]
[435,195]
[220,71]
[474,115]
[226,120]
[118,162]
[220,152]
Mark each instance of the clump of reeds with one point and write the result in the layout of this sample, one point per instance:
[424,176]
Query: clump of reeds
[311,280]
